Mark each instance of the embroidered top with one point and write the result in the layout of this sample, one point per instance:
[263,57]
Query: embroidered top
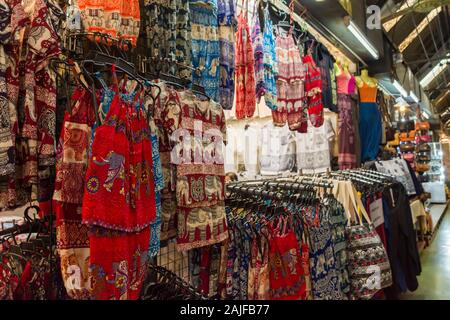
[245,71]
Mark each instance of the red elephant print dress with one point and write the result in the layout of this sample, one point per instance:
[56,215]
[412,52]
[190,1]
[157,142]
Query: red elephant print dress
[119,201]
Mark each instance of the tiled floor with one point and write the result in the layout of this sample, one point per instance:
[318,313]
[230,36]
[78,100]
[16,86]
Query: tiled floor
[434,282]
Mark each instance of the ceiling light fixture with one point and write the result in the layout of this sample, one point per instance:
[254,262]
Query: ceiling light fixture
[400,89]
[362,38]
[435,72]
[426,115]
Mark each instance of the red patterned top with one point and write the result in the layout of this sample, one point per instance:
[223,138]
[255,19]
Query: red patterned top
[120,192]
[313,90]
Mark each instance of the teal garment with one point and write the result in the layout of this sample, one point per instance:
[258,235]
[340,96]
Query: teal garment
[205,49]
[270,64]
[155,227]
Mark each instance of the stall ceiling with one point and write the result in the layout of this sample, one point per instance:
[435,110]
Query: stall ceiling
[423,53]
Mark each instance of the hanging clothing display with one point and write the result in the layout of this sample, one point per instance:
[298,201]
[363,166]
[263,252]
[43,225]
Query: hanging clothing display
[245,70]
[227,20]
[290,84]
[31,101]
[205,47]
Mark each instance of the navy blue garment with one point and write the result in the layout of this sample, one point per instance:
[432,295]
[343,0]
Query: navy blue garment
[369,130]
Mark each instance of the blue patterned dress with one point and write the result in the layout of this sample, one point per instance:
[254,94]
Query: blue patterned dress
[270,63]
[205,47]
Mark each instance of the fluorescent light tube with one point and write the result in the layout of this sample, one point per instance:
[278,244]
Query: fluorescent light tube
[400,89]
[426,115]
[434,72]
[363,40]
[414,97]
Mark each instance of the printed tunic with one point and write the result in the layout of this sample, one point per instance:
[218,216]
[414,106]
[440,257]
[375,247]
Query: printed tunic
[197,129]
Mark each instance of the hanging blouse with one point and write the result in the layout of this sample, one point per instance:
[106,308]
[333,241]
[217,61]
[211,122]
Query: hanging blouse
[270,63]
[198,130]
[245,71]
[257,42]
[227,21]
[313,89]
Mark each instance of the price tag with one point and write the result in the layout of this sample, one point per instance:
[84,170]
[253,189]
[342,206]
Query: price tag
[376,212]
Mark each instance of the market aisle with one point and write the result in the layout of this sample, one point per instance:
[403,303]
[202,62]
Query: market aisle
[434,282]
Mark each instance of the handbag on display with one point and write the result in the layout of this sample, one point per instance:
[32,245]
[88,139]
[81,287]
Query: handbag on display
[408,157]
[422,167]
[423,178]
[406,126]
[423,139]
[369,268]
[396,141]
[404,137]
[424,125]
[407,147]
[424,147]
[423,158]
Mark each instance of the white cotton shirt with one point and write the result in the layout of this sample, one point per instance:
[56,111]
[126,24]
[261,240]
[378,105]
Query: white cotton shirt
[313,148]
[277,150]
